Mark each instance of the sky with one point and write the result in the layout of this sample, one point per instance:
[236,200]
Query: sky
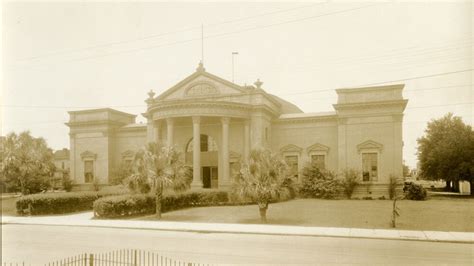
[65,56]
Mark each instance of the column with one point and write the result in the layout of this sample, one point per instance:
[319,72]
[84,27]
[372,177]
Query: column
[170,131]
[225,150]
[197,182]
[157,131]
[246,140]
[149,130]
[72,159]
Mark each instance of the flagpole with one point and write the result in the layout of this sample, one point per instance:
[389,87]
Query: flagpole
[202,44]
[233,53]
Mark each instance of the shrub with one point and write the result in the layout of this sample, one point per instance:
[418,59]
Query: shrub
[350,181]
[95,184]
[57,203]
[319,184]
[67,183]
[291,186]
[415,192]
[140,204]
[121,173]
[124,205]
[392,187]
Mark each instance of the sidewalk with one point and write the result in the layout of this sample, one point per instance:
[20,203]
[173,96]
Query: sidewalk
[85,219]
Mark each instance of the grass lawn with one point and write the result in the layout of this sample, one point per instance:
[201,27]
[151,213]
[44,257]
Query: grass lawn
[437,214]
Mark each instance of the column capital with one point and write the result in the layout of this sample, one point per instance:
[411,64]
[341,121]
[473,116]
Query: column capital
[196,119]
[169,121]
[225,120]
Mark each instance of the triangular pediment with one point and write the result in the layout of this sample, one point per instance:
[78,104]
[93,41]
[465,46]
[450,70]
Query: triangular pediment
[201,84]
[369,145]
[128,154]
[317,147]
[88,155]
[291,148]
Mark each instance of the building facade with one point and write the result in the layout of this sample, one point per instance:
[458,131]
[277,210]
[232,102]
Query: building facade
[364,132]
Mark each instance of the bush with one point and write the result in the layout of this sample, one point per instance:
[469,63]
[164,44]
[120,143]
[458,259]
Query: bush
[291,186]
[319,184]
[350,181]
[124,205]
[415,192]
[121,173]
[57,203]
[141,204]
[67,183]
[95,184]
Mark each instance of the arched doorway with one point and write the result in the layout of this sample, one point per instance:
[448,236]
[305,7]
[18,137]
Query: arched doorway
[209,160]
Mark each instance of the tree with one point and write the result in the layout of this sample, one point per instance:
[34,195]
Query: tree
[262,180]
[27,163]
[406,170]
[156,167]
[446,151]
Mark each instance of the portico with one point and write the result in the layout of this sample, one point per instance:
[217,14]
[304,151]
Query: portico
[217,126]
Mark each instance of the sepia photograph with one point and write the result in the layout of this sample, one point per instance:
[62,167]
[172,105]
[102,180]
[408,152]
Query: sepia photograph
[196,133]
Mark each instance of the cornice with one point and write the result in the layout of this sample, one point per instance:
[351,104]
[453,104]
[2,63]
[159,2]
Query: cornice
[131,129]
[361,105]
[93,123]
[101,110]
[306,119]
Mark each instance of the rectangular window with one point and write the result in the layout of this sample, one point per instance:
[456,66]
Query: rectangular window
[369,167]
[319,161]
[292,162]
[204,143]
[62,165]
[89,171]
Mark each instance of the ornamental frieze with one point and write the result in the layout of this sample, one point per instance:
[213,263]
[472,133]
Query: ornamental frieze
[200,89]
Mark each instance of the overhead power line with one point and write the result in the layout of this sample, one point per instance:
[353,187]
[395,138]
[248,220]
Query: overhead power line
[154,36]
[417,77]
[222,34]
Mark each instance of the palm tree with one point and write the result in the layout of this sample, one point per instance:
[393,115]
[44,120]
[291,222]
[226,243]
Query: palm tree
[156,167]
[263,180]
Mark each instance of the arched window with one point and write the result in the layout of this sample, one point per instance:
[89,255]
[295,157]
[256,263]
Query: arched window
[207,144]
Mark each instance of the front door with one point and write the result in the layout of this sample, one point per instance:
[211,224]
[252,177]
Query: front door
[209,177]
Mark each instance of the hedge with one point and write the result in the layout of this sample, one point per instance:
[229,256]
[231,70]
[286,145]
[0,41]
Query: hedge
[140,204]
[58,203]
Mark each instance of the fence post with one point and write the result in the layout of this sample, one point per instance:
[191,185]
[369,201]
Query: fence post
[91,259]
[135,258]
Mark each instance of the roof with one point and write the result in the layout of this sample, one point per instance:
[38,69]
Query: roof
[101,109]
[286,107]
[61,154]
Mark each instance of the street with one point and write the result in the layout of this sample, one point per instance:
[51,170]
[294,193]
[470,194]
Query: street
[38,244]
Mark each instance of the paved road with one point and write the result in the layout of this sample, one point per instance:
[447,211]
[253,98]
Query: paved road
[38,244]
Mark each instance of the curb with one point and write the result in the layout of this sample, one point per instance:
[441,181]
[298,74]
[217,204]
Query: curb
[277,230]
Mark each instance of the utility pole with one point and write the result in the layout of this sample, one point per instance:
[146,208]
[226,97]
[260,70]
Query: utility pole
[233,53]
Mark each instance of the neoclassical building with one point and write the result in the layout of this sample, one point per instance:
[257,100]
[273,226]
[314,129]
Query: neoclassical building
[216,123]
